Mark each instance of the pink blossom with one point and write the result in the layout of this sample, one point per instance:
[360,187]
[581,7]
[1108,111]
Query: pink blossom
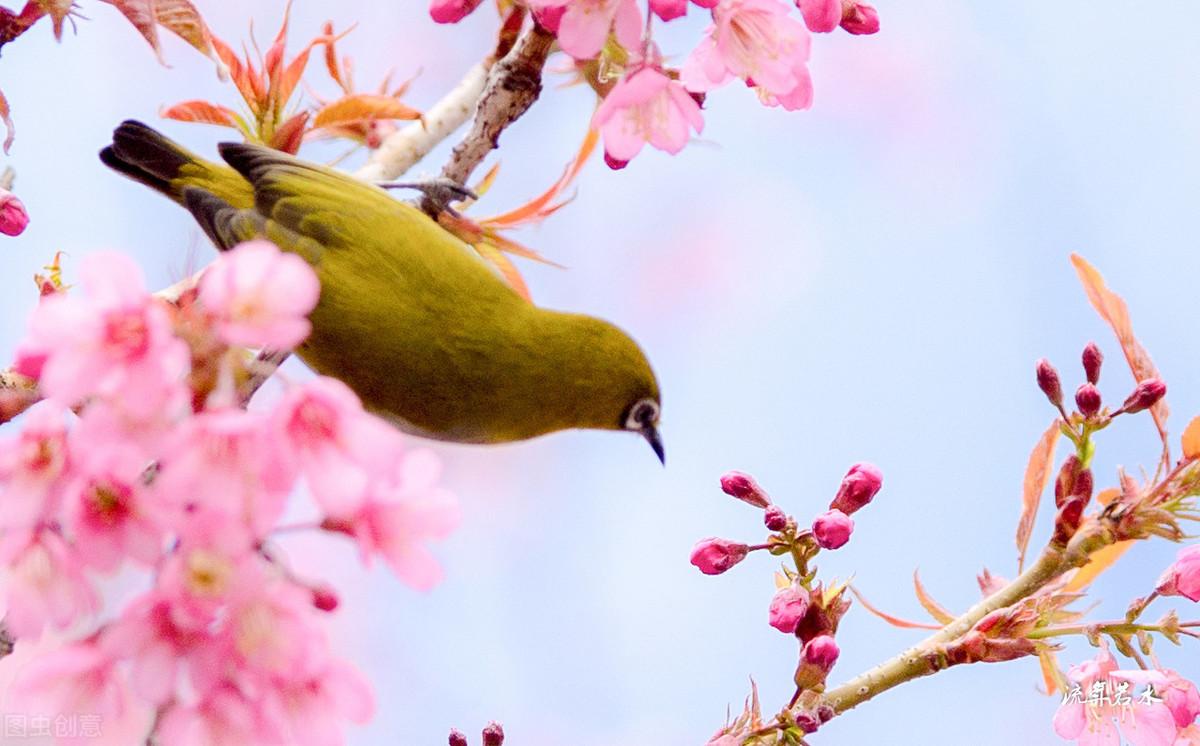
[260,296]
[223,716]
[106,503]
[821,16]
[759,42]
[451,11]
[107,339]
[399,515]
[1181,698]
[859,487]
[156,639]
[1183,577]
[832,529]
[79,679]
[13,217]
[788,607]
[198,582]
[585,24]
[646,107]
[714,556]
[1091,713]
[43,582]
[273,632]
[314,709]
[339,448]
[32,466]
[230,463]
[860,18]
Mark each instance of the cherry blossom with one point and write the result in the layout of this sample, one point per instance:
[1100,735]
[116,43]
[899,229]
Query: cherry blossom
[646,107]
[585,24]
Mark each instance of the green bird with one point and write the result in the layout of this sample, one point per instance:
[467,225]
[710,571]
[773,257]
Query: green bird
[409,317]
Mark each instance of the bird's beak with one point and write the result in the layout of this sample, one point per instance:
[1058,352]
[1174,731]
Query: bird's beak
[650,433]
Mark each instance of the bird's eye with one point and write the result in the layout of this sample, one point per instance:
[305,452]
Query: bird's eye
[642,415]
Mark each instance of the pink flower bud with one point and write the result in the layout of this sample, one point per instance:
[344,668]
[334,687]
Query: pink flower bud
[669,9]
[1146,395]
[788,607]
[860,18]
[714,556]
[858,487]
[1048,382]
[822,652]
[615,164]
[775,519]
[13,217]
[743,487]
[457,738]
[1066,523]
[493,735]
[808,722]
[1092,360]
[817,659]
[324,598]
[451,11]
[832,529]
[549,17]
[1087,399]
[821,16]
[1183,577]
[706,3]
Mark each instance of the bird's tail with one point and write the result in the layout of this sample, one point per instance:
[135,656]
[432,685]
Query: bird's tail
[146,156]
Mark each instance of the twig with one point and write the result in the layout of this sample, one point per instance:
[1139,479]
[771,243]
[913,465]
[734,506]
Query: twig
[513,84]
[920,660]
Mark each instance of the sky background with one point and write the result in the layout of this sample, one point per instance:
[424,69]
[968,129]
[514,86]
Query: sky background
[869,280]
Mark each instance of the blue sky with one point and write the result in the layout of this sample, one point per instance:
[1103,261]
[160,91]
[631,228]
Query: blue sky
[869,280]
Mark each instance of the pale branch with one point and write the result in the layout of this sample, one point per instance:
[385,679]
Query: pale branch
[921,659]
[513,84]
[404,148]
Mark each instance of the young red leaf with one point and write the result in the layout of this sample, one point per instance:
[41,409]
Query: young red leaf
[331,59]
[1050,672]
[242,74]
[1100,561]
[936,610]
[538,208]
[363,107]
[1112,309]
[141,14]
[506,269]
[204,112]
[1037,476]
[290,134]
[8,123]
[58,10]
[1191,439]
[181,18]
[892,620]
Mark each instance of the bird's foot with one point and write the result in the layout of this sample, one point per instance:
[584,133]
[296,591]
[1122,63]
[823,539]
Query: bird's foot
[438,193]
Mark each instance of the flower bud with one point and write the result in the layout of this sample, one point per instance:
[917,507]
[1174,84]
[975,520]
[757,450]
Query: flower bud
[1146,395]
[858,487]
[1048,382]
[669,10]
[821,16]
[743,487]
[1092,360]
[615,164]
[457,738]
[714,556]
[1182,578]
[807,722]
[1066,523]
[451,11]
[1087,400]
[788,607]
[775,518]
[13,217]
[549,17]
[493,735]
[832,530]
[860,18]
[324,598]
[1064,484]
[817,659]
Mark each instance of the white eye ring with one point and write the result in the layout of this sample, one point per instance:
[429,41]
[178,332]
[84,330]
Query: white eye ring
[642,415]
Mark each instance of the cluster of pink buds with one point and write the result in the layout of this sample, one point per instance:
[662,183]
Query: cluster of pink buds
[802,606]
[765,44]
[493,735]
[141,457]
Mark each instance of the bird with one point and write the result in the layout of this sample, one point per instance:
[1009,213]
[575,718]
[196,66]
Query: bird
[409,317]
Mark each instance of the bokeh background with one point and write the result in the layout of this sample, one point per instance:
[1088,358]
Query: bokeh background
[869,280]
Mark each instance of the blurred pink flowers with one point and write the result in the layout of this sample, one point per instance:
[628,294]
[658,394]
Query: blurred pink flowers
[646,107]
[451,11]
[226,642]
[261,297]
[1183,577]
[1105,704]
[585,24]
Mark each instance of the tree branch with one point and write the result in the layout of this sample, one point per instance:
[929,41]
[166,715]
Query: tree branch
[916,661]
